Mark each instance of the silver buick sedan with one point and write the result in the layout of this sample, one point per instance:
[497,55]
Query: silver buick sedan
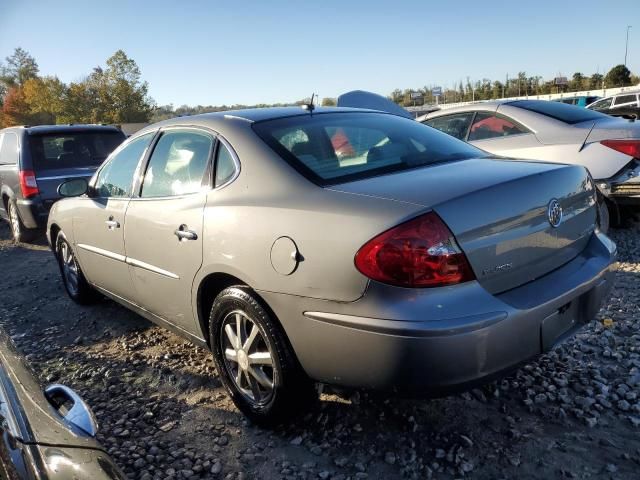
[343,246]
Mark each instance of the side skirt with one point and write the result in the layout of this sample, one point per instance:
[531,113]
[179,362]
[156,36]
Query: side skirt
[153,318]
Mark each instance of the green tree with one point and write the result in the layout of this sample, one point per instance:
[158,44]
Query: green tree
[618,76]
[127,94]
[20,67]
[329,102]
[596,80]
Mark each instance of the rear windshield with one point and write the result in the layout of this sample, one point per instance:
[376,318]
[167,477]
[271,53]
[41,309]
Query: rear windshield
[72,149]
[560,111]
[331,148]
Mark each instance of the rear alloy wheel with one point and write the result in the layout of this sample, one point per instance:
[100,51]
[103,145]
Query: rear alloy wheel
[72,277]
[254,359]
[18,230]
[247,357]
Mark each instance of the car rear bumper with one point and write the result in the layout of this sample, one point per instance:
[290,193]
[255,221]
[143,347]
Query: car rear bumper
[33,212]
[441,339]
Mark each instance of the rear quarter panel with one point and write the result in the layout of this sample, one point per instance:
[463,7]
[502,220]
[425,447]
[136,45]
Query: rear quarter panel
[269,200]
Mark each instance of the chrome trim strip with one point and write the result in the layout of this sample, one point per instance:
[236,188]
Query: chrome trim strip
[60,177]
[104,253]
[129,261]
[137,263]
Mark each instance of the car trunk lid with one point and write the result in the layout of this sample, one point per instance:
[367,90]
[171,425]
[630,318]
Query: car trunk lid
[499,212]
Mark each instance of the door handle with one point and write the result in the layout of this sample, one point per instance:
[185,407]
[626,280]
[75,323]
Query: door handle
[183,233]
[111,223]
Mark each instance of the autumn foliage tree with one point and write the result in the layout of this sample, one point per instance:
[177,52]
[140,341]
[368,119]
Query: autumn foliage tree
[114,94]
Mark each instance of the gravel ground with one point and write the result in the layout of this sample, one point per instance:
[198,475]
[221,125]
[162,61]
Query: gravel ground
[573,413]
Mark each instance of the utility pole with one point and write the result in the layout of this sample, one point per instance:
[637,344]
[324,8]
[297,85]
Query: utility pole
[626,46]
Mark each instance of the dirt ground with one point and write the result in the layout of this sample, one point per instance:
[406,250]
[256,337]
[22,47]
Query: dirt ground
[573,413]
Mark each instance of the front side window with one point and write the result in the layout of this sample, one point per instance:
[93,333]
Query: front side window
[9,149]
[340,147]
[178,164]
[490,125]
[454,125]
[116,177]
[625,100]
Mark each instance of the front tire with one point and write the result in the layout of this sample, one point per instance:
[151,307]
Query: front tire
[19,231]
[254,359]
[73,279]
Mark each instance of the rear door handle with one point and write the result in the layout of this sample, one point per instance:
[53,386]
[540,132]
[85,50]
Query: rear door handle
[112,224]
[183,233]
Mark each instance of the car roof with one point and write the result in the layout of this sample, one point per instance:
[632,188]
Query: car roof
[233,119]
[40,129]
[267,113]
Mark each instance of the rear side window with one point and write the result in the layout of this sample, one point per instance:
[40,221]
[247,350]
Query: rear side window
[488,125]
[454,125]
[565,113]
[225,165]
[178,164]
[72,150]
[116,176]
[625,100]
[331,148]
[9,149]
[603,104]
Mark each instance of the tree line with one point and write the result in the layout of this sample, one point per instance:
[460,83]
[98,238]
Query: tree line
[115,93]
[112,94]
[517,86]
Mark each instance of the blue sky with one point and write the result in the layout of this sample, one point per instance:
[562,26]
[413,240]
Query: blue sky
[217,52]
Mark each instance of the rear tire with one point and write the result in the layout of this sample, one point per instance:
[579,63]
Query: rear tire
[19,231]
[73,279]
[254,360]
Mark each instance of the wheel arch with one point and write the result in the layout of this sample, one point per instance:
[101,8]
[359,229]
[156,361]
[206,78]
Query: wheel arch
[210,287]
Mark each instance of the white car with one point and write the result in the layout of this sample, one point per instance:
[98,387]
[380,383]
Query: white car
[550,131]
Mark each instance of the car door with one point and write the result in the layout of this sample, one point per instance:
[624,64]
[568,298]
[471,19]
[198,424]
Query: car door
[98,223]
[501,135]
[163,226]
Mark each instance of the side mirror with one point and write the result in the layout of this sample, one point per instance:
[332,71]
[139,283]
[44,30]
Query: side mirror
[73,188]
[73,410]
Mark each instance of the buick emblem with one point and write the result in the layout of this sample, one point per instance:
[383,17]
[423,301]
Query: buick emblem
[554,213]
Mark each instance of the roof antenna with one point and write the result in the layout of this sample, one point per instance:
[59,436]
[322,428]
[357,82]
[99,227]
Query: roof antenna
[309,106]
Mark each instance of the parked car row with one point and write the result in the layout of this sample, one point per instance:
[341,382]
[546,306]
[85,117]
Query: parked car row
[626,105]
[338,245]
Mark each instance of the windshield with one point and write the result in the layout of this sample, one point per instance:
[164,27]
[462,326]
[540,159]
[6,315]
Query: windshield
[560,111]
[72,149]
[334,148]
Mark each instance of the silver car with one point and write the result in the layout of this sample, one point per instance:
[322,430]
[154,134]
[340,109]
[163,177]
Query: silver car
[552,131]
[343,246]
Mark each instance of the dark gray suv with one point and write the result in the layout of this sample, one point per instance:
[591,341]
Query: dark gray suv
[34,161]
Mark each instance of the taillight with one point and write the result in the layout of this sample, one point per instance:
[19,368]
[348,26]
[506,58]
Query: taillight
[28,184]
[419,253]
[628,147]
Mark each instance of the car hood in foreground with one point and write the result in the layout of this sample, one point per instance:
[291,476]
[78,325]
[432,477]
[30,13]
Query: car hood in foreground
[41,424]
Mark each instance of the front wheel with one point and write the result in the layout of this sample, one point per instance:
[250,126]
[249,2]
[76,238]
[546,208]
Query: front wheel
[254,359]
[73,279]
